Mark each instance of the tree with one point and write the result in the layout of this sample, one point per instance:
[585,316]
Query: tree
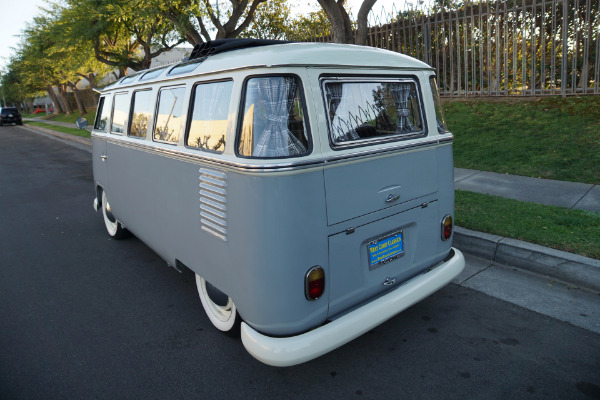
[122,33]
[194,18]
[308,27]
[272,20]
[34,63]
[341,24]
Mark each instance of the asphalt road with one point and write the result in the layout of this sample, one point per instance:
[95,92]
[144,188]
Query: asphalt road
[85,317]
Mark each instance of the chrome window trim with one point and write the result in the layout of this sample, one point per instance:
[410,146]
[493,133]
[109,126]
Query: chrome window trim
[194,156]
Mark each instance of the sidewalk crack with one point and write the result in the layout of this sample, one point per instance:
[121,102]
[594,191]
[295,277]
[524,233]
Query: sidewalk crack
[581,198]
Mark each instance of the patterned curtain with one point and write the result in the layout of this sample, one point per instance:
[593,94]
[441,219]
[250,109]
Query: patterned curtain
[276,95]
[401,94]
[342,128]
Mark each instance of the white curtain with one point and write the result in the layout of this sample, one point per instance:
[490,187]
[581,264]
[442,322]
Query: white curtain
[277,95]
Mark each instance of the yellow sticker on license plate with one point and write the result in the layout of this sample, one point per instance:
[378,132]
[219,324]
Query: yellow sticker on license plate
[386,249]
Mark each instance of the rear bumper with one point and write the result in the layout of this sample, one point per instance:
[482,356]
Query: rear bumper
[11,120]
[287,351]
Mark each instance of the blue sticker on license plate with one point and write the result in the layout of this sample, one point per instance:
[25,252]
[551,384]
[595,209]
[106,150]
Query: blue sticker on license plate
[386,249]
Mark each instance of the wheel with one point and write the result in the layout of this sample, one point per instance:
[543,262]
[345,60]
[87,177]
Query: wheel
[113,226]
[219,307]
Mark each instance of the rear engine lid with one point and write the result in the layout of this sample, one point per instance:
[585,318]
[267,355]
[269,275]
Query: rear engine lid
[358,188]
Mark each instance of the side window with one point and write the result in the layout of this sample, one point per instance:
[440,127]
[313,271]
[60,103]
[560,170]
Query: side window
[209,116]
[273,124]
[141,106]
[169,116]
[120,113]
[365,111]
[102,115]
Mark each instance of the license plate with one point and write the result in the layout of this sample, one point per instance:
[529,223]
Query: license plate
[386,249]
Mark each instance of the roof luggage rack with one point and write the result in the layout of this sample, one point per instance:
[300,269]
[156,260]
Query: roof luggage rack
[222,45]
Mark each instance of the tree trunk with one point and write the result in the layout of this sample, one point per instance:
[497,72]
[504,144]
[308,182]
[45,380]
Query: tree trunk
[92,80]
[341,27]
[78,101]
[57,106]
[65,100]
[362,22]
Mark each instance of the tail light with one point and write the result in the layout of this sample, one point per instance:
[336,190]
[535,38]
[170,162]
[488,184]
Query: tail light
[446,227]
[314,284]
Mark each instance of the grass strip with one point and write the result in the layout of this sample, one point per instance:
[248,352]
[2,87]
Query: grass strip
[70,118]
[574,231]
[551,137]
[71,131]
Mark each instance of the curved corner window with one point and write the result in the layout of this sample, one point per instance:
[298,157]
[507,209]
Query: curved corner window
[167,126]
[439,110]
[120,113]
[210,114]
[141,106]
[152,74]
[130,78]
[365,111]
[273,124]
[184,68]
[102,115]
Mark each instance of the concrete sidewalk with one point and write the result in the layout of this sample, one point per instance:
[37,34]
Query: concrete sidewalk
[570,268]
[581,196]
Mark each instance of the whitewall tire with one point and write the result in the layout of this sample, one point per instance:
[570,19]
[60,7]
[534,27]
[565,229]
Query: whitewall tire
[113,226]
[219,307]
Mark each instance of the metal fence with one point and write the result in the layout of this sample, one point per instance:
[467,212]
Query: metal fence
[500,48]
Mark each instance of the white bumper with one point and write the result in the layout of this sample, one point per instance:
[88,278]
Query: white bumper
[287,351]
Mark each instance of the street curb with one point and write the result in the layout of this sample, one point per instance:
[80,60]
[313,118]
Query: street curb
[570,268]
[61,135]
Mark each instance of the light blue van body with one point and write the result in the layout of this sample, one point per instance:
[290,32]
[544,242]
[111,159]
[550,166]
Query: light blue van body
[253,226]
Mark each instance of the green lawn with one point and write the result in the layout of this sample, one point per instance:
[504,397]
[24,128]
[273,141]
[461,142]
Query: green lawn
[574,231]
[71,118]
[71,131]
[551,138]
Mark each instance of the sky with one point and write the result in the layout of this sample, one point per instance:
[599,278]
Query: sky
[17,14]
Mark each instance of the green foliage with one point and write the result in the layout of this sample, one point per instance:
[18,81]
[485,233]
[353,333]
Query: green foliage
[271,21]
[309,26]
[552,138]
[121,33]
[575,231]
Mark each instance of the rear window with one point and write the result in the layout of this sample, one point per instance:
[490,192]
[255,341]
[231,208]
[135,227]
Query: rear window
[9,110]
[365,111]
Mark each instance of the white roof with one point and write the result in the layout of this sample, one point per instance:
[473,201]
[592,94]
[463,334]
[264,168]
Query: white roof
[291,54]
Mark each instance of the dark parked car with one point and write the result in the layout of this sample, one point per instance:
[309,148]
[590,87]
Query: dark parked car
[10,115]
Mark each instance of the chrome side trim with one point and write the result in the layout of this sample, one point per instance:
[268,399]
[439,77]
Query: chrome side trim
[196,157]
